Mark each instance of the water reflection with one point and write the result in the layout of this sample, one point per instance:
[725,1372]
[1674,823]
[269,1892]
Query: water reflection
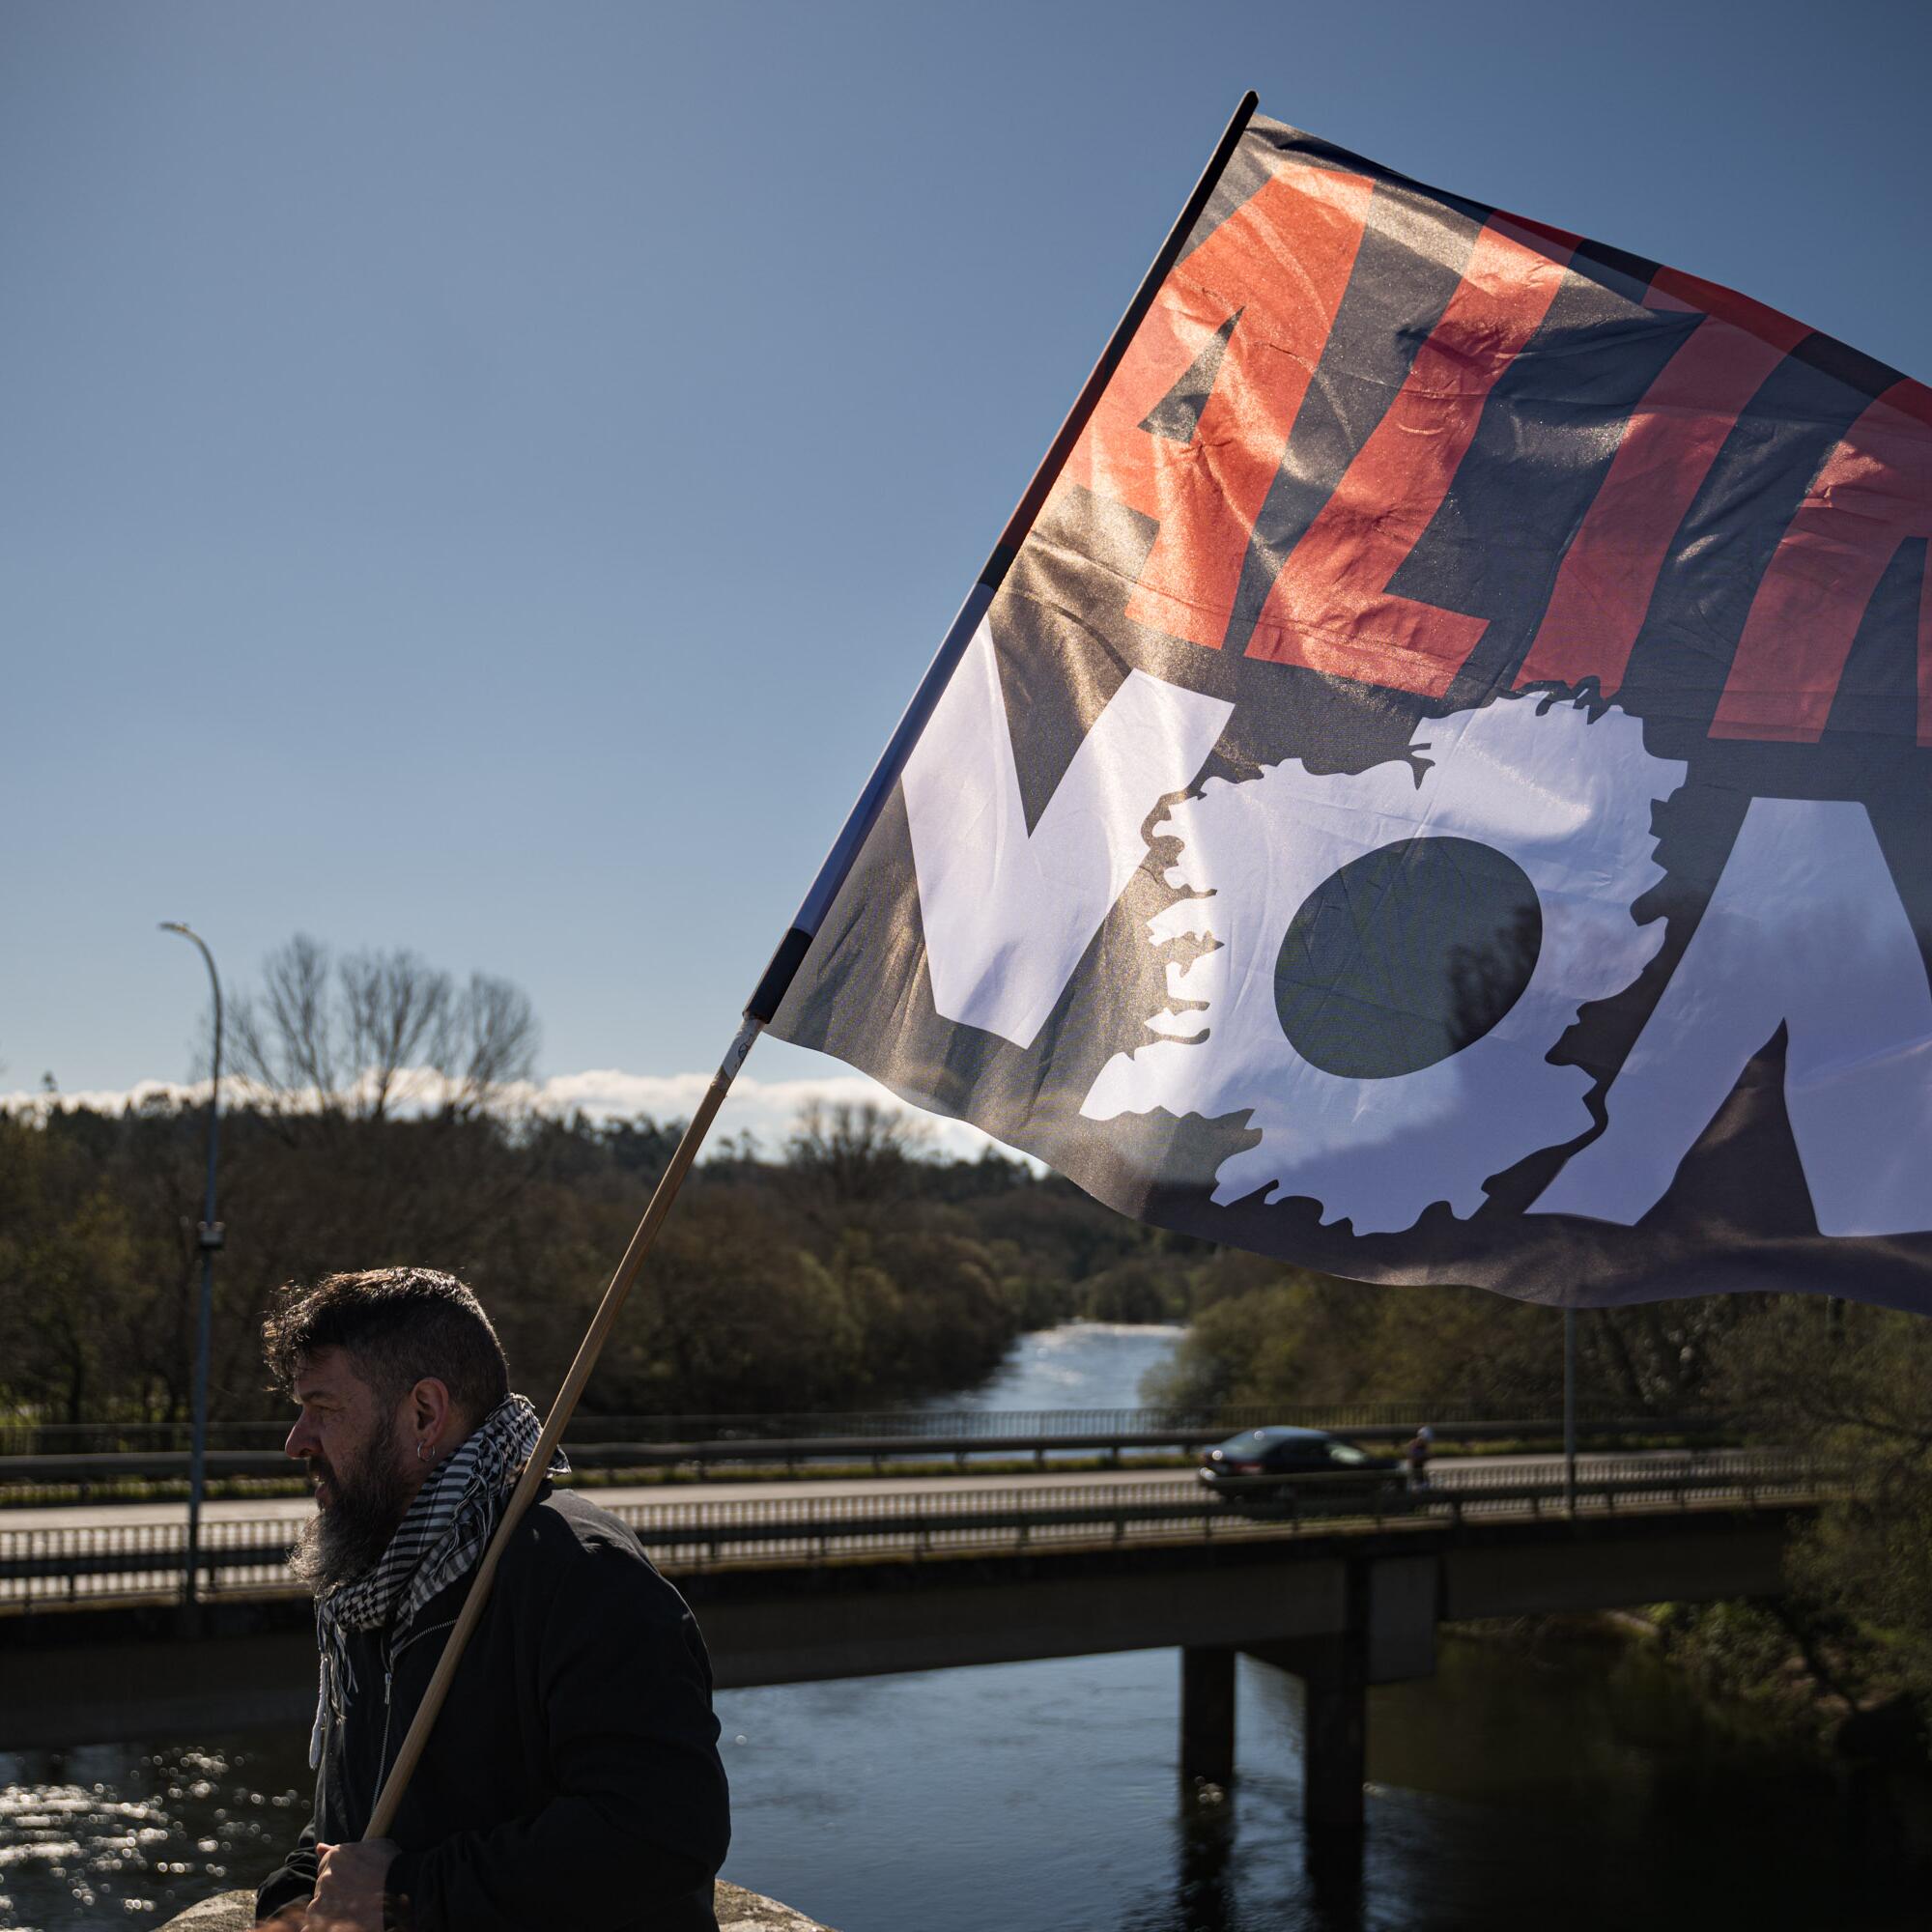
[119,1835]
[1517,1792]
[1205,1890]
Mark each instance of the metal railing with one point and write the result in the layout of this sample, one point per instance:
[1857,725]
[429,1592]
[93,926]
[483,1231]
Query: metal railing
[1019,1435]
[79,1566]
[20,1438]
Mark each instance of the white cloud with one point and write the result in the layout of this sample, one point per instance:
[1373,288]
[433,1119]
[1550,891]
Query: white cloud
[765,1109]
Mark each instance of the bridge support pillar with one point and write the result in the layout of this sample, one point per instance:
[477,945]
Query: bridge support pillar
[1335,1738]
[1334,1733]
[1207,1714]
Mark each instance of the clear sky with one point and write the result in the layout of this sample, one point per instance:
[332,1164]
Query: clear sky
[486,477]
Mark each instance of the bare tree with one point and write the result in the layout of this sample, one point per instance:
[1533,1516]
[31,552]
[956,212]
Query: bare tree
[377,1033]
[494,1036]
[395,1016]
[847,1160]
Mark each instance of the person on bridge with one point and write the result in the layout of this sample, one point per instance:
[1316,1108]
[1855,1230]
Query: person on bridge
[573,1776]
[1416,1455]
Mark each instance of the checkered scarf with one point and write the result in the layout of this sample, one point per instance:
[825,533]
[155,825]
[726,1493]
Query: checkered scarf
[443,1534]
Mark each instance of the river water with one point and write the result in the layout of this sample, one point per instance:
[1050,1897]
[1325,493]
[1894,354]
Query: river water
[1577,1786]
[1077,1365]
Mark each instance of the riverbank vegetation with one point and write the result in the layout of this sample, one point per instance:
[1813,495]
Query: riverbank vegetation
[1851,1642]
[1264,1332]
[379,1112]
[1852,1387]
[839,1272]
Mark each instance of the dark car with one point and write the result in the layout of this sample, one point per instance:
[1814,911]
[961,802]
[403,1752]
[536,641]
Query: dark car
[1235,1470]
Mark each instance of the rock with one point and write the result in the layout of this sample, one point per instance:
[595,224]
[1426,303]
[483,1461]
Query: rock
[742,1911]
[231,1912]
[738,1911]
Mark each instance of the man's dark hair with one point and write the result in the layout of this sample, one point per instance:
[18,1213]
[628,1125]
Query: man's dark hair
[400,1325]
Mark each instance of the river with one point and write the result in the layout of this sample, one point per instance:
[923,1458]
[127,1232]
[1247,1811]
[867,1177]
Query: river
[1077,1365]
[1579,1785]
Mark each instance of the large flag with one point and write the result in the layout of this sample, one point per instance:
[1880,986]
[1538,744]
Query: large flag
[1440,794]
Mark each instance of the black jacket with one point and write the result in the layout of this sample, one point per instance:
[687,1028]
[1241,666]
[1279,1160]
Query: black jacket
[573,1776]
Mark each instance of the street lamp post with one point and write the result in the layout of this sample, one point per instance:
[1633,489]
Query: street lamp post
[1570,1410]
[208,1237]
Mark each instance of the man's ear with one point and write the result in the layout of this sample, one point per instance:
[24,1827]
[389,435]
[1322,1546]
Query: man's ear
[432,1419]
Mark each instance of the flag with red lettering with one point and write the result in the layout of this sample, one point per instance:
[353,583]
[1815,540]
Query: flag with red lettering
[1442,792]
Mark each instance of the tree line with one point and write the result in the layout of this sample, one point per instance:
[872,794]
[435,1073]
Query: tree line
[379,1113]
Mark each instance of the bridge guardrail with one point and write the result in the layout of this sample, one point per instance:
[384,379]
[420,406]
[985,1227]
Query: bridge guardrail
[75,1566]
[86,1469]
[25,1438]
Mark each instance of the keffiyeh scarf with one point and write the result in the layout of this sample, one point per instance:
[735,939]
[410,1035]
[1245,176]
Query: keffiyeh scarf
[443,1534]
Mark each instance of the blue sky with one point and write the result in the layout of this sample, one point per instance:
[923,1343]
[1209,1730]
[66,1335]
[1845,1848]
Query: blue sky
[486,478]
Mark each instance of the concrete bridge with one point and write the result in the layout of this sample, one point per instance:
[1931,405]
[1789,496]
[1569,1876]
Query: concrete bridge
[1343,1607]
[1343,1582]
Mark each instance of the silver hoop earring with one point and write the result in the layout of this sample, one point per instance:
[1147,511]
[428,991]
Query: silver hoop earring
[422,1452]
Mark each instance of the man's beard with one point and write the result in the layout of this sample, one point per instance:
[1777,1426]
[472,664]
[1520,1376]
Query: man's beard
[368,1502]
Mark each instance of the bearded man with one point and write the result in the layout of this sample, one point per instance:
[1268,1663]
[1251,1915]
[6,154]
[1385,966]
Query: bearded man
[573,1776]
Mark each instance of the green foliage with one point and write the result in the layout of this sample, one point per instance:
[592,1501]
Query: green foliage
[852,1271]
[1742,1648]
[1851,1385]
[1266,1332]
[84,1220]
[1145,1288]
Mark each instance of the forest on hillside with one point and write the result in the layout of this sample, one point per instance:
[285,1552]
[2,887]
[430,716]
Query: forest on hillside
[842,1271]
[378,1114]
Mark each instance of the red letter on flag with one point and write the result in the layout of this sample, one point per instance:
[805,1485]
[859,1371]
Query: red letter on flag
[1330,609]
[1281,261]
[1874,492]
[1610,571]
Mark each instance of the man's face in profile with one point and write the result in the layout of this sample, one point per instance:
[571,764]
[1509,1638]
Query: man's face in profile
[353,1446]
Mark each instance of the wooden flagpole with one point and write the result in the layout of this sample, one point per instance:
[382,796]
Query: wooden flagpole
[786,960]
[390,1798]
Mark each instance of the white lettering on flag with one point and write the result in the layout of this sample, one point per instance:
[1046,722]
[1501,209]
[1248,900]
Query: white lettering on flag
[1008,913]
[1566,799]
[1805,931]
